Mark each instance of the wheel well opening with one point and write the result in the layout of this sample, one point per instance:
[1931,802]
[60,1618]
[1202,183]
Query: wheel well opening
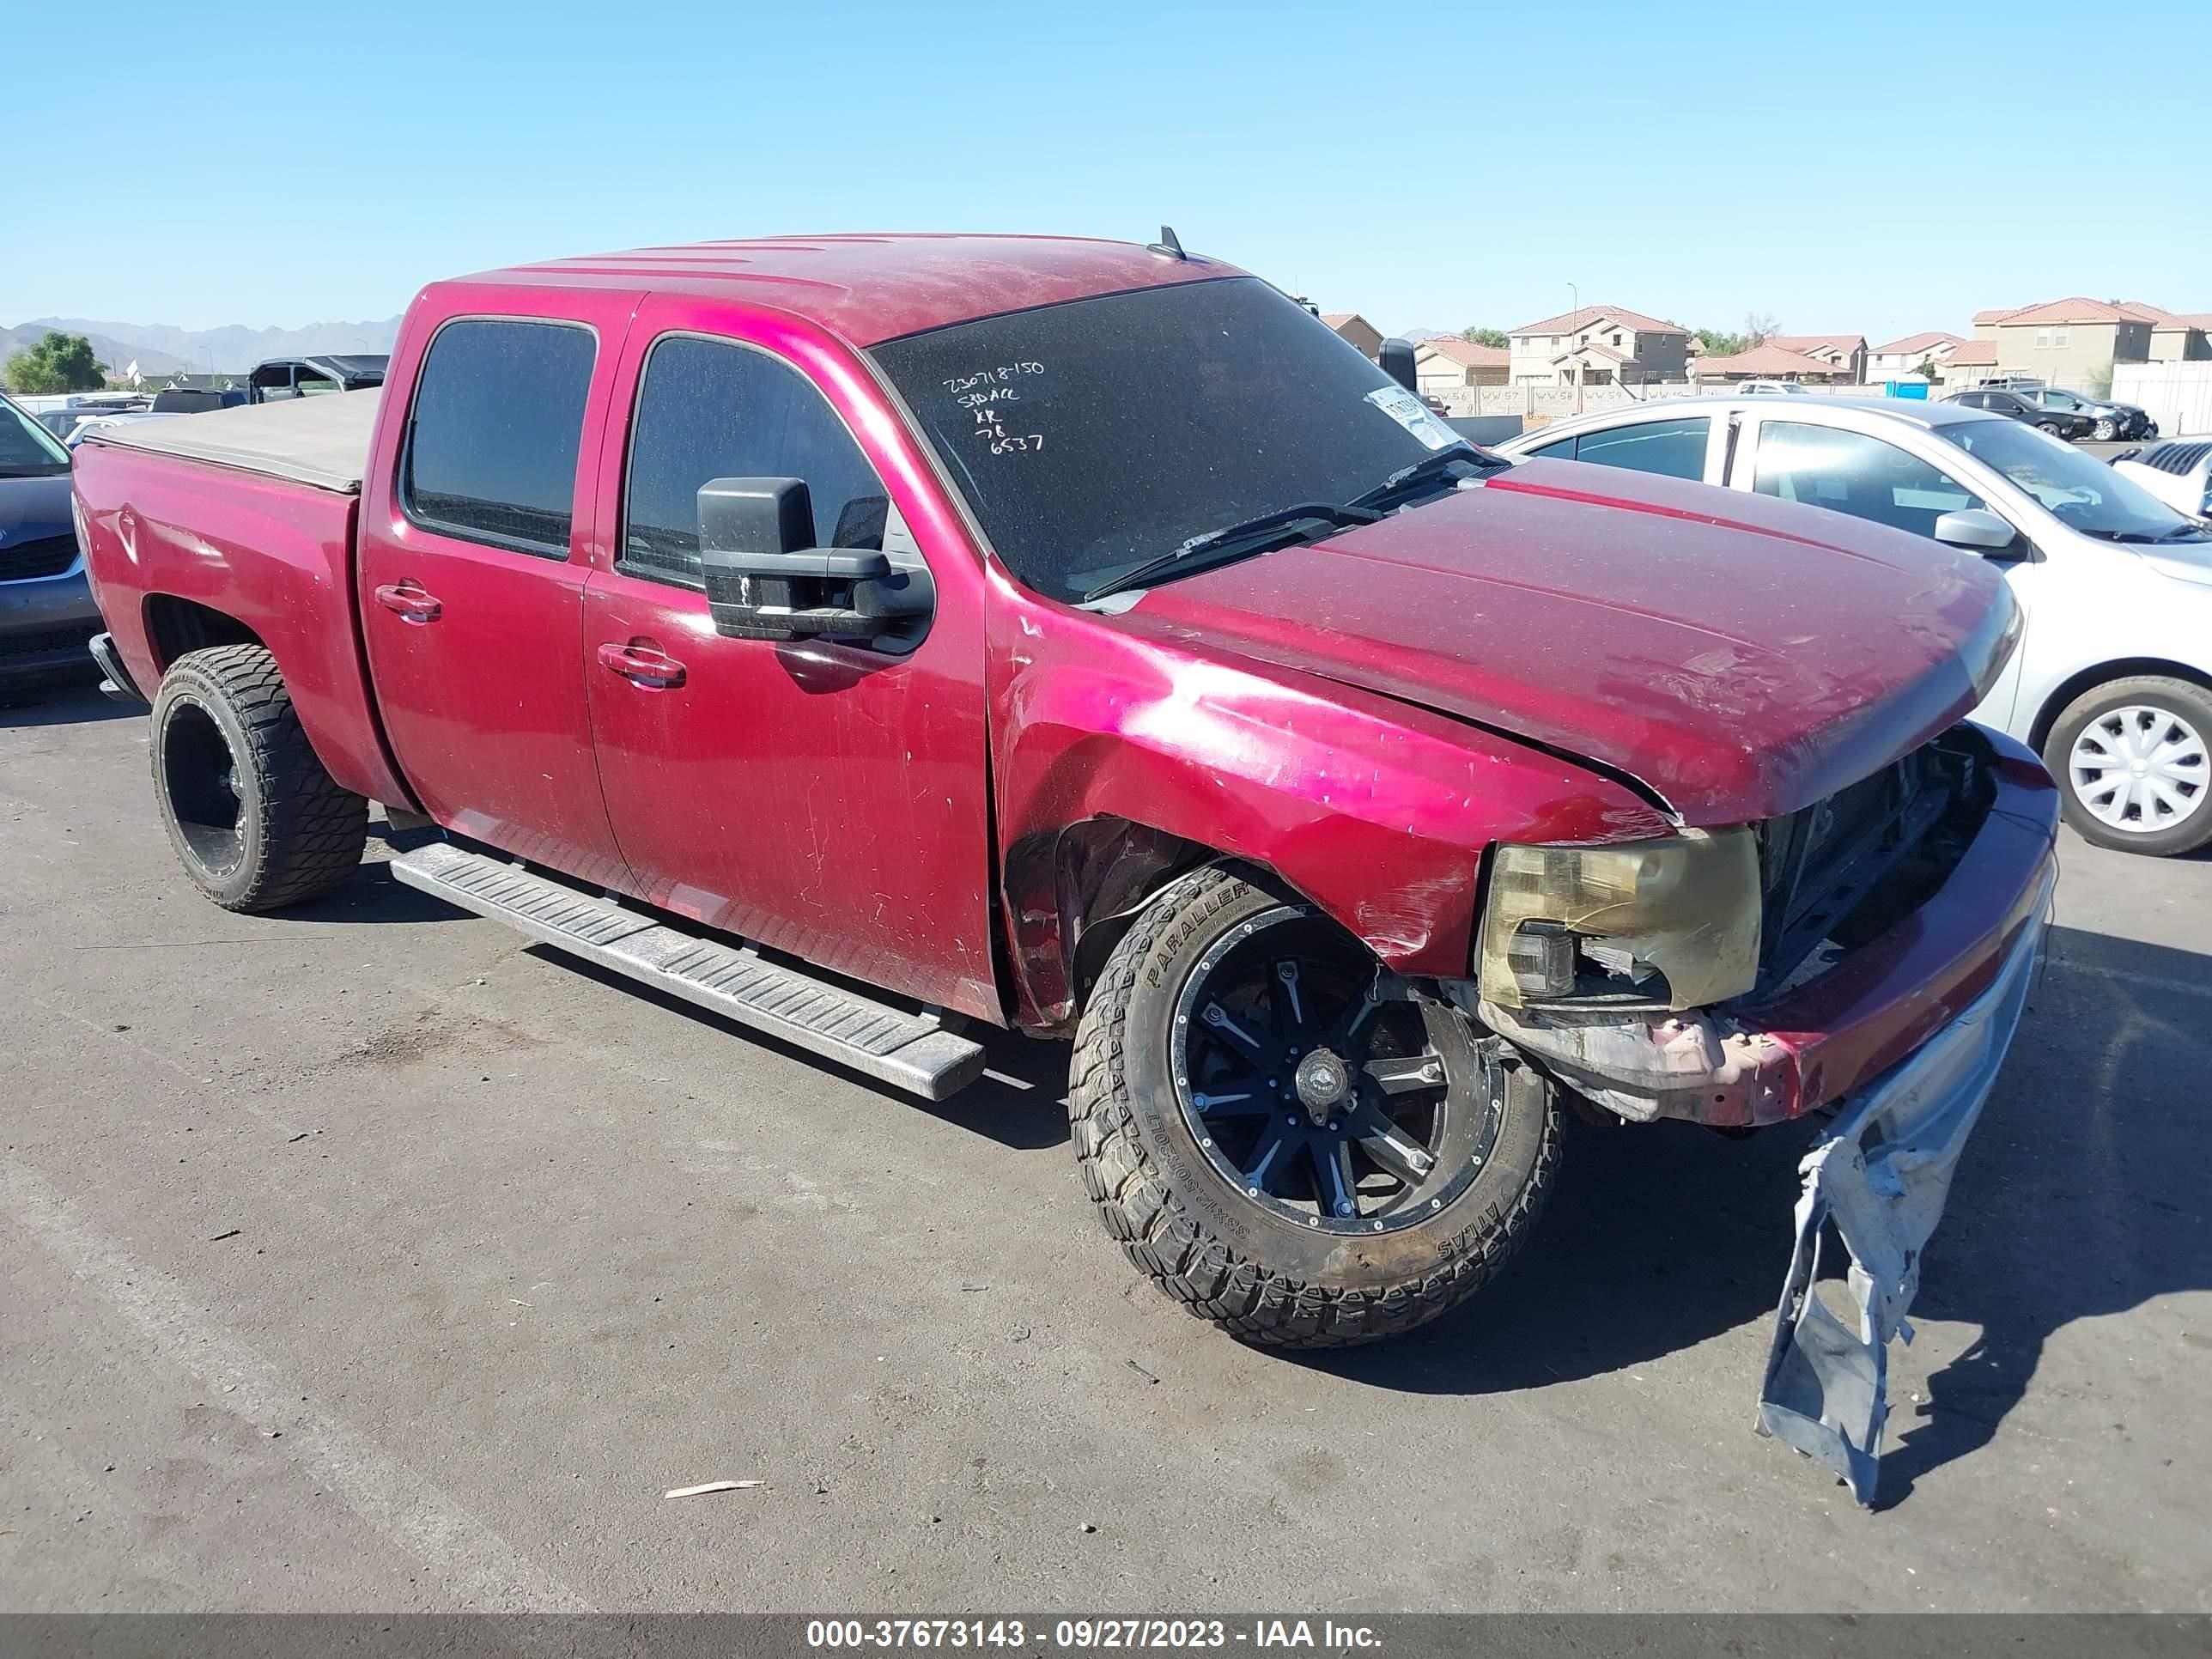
[175,626]
[2127,668]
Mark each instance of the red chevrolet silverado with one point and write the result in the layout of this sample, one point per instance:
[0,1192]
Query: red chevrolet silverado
[870,638]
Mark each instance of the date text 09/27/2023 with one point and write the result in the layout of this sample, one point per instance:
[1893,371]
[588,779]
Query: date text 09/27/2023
[1089,1634]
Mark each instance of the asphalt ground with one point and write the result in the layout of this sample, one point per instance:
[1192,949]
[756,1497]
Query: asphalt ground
[367,1257]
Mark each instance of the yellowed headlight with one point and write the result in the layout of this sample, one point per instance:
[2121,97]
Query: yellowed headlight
[1687,907]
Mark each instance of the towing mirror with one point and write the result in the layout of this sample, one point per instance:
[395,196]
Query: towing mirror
[1976,529]
[765,578]
[1396,360]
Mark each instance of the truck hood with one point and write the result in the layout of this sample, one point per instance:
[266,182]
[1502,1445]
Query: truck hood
[1737,656]
[33,509]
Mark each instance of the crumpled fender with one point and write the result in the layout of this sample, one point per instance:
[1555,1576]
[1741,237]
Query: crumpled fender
[1375,810]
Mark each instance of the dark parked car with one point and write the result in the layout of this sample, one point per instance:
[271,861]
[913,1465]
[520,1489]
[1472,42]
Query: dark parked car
[46,609]
[189,400]
[2106,419]
[283,377]
[2059,422]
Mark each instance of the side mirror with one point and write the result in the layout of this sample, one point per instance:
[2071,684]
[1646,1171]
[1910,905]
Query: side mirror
[1396,360]
[765,578]
[1976,529]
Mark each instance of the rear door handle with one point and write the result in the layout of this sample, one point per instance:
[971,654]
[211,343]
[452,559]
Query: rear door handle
[641,664]
[410,600]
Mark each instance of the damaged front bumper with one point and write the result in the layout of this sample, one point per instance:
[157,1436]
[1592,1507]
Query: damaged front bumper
[1905,1036]
[1739,1066]
[1881,1174]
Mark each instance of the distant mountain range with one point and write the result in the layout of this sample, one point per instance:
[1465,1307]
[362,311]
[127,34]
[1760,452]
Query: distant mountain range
[160,349]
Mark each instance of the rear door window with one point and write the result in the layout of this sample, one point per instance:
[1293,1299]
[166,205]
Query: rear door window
[492,435]
[709,408]
[1850,472]
[1674,449]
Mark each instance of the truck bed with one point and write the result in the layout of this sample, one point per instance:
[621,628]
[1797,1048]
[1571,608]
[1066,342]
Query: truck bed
[322,442]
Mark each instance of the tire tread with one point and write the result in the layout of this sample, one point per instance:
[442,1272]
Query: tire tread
[1163,1239]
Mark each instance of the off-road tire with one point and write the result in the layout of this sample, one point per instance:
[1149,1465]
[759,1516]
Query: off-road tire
[2186,698]
[298,834]
[1259,1278]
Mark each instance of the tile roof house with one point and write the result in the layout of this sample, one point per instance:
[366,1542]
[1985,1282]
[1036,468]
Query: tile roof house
[1846,352]
[1896,359]
[1355,330]
[2071,342]
[1770,361]
[2182,336]
[1447,361]
[1598,345]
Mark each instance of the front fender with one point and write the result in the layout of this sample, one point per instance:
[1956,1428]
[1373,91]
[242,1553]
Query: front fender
[1375,810]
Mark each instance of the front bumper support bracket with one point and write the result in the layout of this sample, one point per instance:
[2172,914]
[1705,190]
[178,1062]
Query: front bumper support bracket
[1881,1174]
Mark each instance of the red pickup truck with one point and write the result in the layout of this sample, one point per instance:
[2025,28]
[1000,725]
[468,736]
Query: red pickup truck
[867,636]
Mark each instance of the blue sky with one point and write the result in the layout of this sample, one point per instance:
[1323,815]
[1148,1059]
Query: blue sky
[1436,165]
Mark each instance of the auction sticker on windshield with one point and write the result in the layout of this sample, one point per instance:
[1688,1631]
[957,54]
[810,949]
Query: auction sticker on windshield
[1410,412]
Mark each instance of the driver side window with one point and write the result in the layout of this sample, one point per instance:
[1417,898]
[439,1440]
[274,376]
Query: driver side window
[711,409]
[1850,472]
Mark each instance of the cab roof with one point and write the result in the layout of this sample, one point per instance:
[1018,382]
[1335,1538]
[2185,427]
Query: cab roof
[870,288]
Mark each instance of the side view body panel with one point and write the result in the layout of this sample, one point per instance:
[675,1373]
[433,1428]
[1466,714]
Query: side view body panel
[276,555]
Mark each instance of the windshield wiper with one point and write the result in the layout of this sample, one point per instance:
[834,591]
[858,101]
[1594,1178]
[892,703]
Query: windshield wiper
[2138,538]
[1427,470]
[1248,536]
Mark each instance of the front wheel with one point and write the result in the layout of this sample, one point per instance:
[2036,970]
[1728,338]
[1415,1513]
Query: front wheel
[2133,768]
[2105,430]
[2051,427]
[1287,1138]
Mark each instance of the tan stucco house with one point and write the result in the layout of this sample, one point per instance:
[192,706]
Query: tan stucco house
[1598,345]
[2071,342]
[1445,363]
[1356,331]
[1844,353]
[1896,359]
[1768,362]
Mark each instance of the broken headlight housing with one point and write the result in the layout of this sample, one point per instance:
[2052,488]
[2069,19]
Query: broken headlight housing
[1667,923]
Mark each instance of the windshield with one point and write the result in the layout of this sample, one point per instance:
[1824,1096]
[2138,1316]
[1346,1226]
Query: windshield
[1095,436]
[2081,493]
[27,450]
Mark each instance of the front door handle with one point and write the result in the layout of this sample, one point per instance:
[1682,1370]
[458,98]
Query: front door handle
[410,600]
[641,664]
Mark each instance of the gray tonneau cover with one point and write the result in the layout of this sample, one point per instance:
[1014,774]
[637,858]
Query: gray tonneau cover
[322,441]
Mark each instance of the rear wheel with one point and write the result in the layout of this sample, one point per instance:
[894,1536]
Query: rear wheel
[257,821]
[2133,767]
[1289,1139]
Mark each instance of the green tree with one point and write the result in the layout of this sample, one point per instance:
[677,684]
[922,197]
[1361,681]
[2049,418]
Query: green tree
[1927,369]
[1720,344]
[58,363]
[1489,337]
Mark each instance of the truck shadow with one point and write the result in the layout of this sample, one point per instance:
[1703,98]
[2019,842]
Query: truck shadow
[2081,1195]
[68,704]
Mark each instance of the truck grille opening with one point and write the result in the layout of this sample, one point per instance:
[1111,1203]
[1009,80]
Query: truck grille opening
[1843,871]
[25,561]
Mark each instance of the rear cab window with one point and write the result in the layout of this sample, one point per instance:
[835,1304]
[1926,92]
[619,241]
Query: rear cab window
[493,435]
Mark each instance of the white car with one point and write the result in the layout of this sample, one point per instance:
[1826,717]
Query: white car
[2178,471]
[1769,389]
[2112,680]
